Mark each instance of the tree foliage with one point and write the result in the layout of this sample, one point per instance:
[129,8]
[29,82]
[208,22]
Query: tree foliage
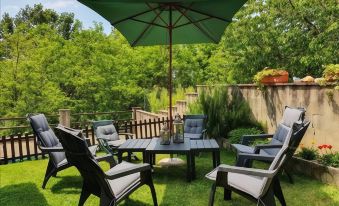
[47,61]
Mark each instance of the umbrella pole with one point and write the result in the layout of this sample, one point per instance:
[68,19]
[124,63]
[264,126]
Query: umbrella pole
[170,70]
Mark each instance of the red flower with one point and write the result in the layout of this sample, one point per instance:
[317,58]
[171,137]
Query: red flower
[329,146]
[320,146]
[325,146]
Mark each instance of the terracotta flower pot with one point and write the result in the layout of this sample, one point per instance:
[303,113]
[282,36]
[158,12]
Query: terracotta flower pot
[283,78]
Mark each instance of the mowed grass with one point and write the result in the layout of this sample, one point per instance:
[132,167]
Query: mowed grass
[21,185]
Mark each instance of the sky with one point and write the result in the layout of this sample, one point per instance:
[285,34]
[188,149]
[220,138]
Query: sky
[81,12]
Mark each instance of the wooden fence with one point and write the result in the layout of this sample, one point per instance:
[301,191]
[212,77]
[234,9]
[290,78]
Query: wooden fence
[19,147]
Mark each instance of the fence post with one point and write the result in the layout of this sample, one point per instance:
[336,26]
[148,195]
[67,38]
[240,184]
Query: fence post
[134,112]
[65,117]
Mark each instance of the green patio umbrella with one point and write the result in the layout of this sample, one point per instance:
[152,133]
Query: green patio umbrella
[168,22]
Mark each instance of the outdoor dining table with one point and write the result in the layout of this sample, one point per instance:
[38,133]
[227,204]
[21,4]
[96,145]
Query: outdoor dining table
[151,147]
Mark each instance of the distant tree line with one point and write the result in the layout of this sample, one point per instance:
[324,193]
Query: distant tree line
[48,61]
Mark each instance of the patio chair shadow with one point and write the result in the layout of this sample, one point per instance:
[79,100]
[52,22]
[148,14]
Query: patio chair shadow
[22,194]
[68,185]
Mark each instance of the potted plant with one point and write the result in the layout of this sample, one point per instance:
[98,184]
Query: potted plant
[271,76]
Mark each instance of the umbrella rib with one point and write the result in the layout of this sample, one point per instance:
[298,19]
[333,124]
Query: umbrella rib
[145,22]
[154,10]
[203,13]
[147,27]
[130,17]
[175,23]
[199,27]
[204,19]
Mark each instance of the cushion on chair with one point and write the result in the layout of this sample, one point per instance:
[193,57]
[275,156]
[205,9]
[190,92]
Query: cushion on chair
[46,136]
[292,115]
[278,138]
[243,148]
[247,183]
[107,132]
[193,126]
[192,136]
[123,183]
[116,143]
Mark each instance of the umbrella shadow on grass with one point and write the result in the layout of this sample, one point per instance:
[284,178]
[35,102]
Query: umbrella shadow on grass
[68,185]
[22,194]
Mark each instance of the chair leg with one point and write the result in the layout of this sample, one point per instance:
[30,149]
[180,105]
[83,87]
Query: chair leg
[278,192]
[227,194]
[289,176]
[50,170]
[106,201]
[212,193]
[84,195]
[268,199]
[154,195]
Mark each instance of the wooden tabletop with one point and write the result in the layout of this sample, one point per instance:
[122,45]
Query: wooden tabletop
[204,145]
[155,146]
[135,144]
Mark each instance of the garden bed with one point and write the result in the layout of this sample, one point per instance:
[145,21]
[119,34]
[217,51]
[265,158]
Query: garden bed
[311,168]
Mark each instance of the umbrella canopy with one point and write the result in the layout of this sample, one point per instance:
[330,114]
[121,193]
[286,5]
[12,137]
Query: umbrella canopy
[168,22]
[147,22]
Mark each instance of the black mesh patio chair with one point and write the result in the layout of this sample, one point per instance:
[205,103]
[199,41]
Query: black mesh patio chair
[258,185]
[194,126]
[49,143]
[290,116]
[111,186]
[108,137]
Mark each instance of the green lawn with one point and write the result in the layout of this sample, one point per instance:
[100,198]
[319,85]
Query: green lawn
[21,185]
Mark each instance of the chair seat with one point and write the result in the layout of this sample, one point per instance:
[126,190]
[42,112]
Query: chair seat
[192,136]
[62,163]
[247,183]
[243,148]
[122,184]
[116,143]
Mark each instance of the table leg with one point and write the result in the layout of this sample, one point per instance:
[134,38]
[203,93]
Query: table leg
[119,156]
[193,165]
[216,158]
[153,159]
[189,169]
[143,157]
[129,159]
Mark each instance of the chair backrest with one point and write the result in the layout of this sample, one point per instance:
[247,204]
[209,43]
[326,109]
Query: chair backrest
[106,129]
[290,116]
[78,154]
[286,152]
[194,124]
[45,136]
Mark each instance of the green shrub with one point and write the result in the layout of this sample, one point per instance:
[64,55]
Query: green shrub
[225,112]
[331,159]
[308,153]
[235,135]
[195,108]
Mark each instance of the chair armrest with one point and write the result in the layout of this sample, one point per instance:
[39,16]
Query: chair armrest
[128,135]
[267,146]
[245,140]
[110,174]
[51,149]
[246,171]
[256,157]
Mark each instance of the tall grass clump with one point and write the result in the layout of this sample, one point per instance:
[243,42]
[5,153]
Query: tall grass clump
[225,112]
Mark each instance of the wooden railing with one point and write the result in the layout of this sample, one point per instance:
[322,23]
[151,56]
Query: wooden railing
[19,147]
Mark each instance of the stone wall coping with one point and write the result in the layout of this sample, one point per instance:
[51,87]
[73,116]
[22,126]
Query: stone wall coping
[270,85]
